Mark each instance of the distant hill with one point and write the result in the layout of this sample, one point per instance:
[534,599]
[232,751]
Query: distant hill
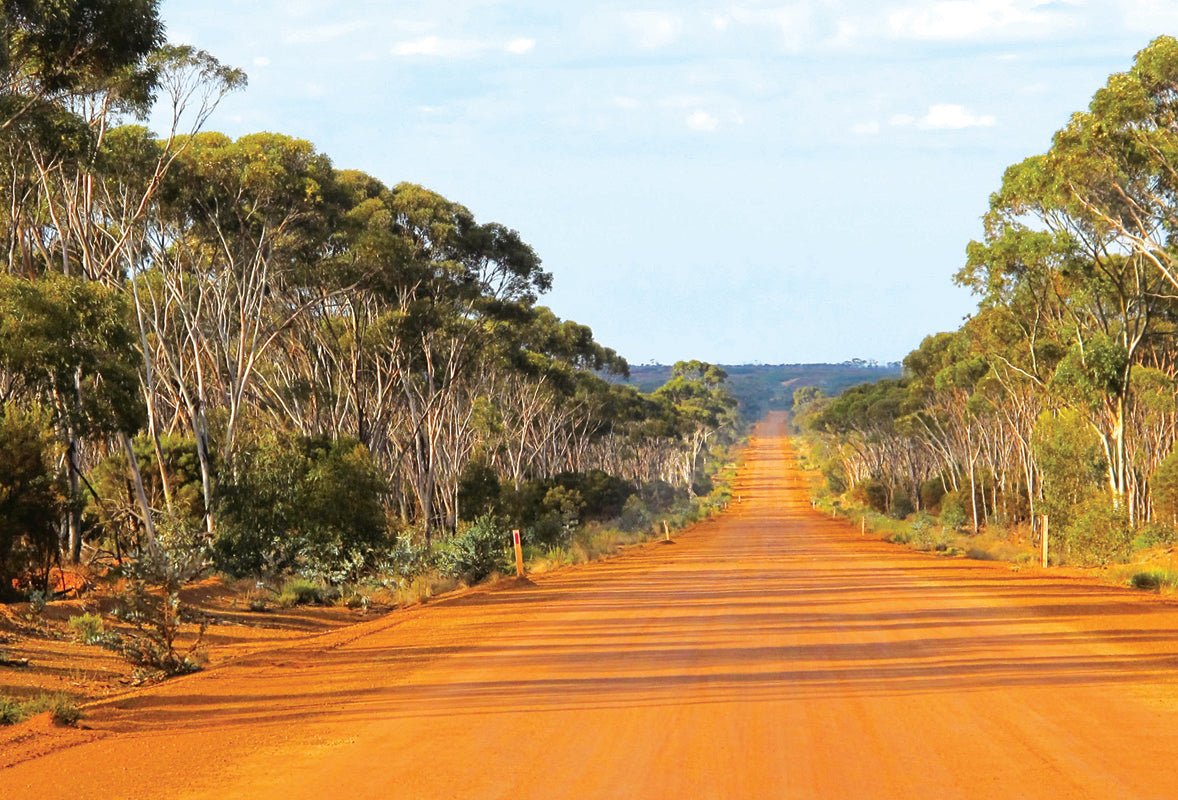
[768,387]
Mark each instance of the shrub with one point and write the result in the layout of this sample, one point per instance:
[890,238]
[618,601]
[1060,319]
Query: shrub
[404,561]
[62,708]
[89,629]
[875,495]
[953,512]
[32,496]
[1155,580]
[1152,535]
[1098,535]
[475,553]
[11,710]
[116,514]
[931,492]
[302,592]
[1164,488]
[311,505]
[922,535]
[635,515]
[479,490]
[151,604]
[901,505]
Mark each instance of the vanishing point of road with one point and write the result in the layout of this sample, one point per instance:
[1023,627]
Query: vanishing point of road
[769,653]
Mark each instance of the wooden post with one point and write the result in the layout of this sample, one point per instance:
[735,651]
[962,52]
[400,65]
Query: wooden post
[863,525]
[519,554]
[1043,537]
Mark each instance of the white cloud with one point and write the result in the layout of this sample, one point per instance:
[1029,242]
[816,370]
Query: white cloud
[701,120]
[432,46]
[261,61]
[652,29]
[520,46]
[952,117]
[944,117]
[956,20]
[865,128]
[323,33]
[437,47]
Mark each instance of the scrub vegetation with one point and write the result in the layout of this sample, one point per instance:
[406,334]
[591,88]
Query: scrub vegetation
[229,356]
[1055,405]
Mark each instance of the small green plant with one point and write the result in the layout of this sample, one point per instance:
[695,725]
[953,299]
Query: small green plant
[476,553]
[37,602]
[559,556]
[150,604]
[302,592]
[63,709]
[11,710]
[88,629]
[1155,580]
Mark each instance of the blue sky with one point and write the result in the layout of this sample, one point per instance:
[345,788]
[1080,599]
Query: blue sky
[732,181]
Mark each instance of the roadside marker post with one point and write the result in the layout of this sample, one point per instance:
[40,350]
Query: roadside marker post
[666,532]
[1044,538]
[863,526]
[519,554]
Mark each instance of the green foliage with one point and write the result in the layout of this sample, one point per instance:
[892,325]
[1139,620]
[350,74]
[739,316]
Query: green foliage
[874,495]
[901,505]
[63,709]
[308,504]
[476,552]
[1164,484]
[111,504]
[1154,534]
[479,490]
[1088,375]
[1097,535]
[150,601]
[932,492]
[303,592]
[57,332]
[635,515]
[1070,460]
[88,629]
[1155,580]
[32,497]
[954,514]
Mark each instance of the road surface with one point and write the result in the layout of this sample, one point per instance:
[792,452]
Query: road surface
[771,653]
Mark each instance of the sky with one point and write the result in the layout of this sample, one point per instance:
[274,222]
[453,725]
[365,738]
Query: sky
[738,182]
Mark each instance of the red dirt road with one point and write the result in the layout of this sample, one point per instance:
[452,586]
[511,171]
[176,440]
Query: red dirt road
[771,653]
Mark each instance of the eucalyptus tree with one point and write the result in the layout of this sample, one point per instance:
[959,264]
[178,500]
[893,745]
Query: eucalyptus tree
[66,342]
[704,406]
[235,235]
[55,51]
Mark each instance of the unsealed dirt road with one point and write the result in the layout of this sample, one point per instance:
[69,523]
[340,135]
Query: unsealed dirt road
[771,653]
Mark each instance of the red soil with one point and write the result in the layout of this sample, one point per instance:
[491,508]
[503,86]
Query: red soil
[771,653]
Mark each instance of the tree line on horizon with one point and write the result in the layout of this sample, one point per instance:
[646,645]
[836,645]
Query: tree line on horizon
[289,366]
[1058,398]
